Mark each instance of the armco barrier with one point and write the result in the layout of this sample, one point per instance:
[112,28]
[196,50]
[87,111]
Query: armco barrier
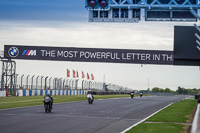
[51,92]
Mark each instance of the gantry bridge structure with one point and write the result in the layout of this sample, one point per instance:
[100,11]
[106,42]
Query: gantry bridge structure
[142,10]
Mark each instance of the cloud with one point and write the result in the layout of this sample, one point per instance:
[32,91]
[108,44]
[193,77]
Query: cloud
[102,35]
[158,36]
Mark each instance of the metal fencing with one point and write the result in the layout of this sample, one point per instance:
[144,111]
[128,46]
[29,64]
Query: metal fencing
[34,82]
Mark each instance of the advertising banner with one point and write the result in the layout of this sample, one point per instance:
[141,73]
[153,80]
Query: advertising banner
[88,54]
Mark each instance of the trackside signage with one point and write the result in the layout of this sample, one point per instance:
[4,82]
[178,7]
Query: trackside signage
[88,54]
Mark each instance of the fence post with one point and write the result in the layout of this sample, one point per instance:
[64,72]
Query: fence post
[32,82]
[22,79]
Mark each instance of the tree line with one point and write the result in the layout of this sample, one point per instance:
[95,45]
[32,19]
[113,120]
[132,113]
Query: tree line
[180,90]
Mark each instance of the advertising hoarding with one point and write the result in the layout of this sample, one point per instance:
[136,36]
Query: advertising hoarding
[88,54]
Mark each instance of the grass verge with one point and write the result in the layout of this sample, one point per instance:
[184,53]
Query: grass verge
[13,102]
[176,118]
[157,128]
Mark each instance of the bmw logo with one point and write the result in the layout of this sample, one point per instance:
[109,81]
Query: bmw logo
[13,51]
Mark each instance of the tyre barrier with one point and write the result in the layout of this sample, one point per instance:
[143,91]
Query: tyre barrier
[51,92]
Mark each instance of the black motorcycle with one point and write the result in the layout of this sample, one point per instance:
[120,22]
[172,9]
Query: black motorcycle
[47,104]
[132,95]
[141,94]
[90,100]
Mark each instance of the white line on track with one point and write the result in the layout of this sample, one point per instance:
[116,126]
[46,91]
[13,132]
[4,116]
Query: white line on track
[145,119]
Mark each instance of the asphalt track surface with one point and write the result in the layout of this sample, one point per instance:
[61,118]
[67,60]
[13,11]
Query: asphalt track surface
[103,116]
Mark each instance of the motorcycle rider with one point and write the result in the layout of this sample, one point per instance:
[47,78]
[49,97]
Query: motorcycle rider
[51,103]
[89,95]
[141,94]
[132,94]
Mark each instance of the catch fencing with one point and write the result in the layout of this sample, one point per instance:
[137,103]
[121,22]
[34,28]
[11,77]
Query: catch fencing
[32,85]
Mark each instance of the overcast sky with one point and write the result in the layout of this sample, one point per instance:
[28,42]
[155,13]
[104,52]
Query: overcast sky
[64,23]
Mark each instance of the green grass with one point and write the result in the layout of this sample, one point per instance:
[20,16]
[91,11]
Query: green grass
[157,128]
[13,102]
[168,119]
[178,112]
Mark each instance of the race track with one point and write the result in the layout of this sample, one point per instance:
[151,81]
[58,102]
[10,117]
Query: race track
[103,116]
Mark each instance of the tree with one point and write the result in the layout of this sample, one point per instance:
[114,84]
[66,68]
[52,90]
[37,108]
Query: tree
[167,90]
[172,91]
[161,90]
[156,89]
[180,90]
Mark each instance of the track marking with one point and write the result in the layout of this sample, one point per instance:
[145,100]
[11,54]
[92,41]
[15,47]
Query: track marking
[145,119]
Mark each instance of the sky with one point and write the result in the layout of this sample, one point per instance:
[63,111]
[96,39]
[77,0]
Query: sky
[64,23]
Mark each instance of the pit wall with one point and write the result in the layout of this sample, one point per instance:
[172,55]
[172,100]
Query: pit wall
[51,92]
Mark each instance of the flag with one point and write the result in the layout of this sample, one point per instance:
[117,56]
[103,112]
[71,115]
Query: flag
[77,74]
[83,75]
[68,73]
[88,76]
[74,74]
[92,76]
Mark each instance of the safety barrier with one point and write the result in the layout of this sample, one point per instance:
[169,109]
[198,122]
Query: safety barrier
[2,93]
[51,92]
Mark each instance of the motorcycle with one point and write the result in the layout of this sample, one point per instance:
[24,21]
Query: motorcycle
[132,94]
[47,104]
[141,94]
[90,98]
